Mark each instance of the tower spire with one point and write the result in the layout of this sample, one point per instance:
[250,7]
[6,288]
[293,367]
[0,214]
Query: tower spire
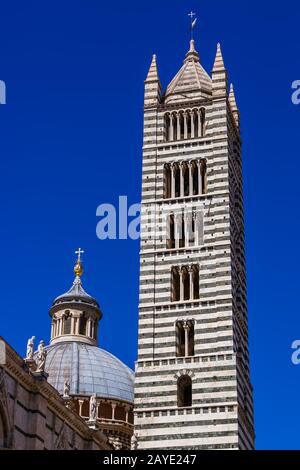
[233,106]
[78,268]
[219,74]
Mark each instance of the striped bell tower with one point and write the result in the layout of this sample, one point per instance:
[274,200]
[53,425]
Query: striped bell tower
[192,386]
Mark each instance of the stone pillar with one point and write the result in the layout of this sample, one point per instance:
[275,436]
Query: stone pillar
[187,228]
[196,231]
[181,285]
[177,229]
[127,414]
[113,409]
[178,126]
[191,274]
[172,180]
[199,124]
[72,325]
[80,403]
[192,125]
[190,179]
[200,189]
[185,125]
[181,166]
[186,338]
[171,133]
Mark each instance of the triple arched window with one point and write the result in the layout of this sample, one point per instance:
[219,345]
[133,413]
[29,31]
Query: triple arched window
[184,229]
[183,179]
[185,124]
[185,283]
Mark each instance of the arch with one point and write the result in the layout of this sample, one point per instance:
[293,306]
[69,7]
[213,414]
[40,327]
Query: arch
[184,391]
[196,282]
[167,126]
[67,323]
[167,181]
[82,324]
[203,172]
[202,122]
[180,339]
[177,180]
[191,338]
[186,182]
[186,283]
[195,181]
[171,232]
[175,285]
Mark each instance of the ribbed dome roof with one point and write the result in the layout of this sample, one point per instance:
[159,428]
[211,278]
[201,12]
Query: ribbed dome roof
[89,370]
[191,82]
[76,293]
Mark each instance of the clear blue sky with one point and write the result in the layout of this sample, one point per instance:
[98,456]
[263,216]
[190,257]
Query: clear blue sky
[71,137]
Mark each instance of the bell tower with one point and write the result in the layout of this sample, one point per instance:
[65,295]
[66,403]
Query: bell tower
[192,384]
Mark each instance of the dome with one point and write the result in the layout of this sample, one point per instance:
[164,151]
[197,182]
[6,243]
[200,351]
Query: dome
[191,82]
[90,370]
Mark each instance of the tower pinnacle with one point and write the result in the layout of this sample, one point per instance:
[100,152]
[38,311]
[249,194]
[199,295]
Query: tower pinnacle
[78,268]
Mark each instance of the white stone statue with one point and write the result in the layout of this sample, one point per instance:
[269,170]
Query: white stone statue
[41,357]
[93,407]
[66,388]
[30,348]
[134,442]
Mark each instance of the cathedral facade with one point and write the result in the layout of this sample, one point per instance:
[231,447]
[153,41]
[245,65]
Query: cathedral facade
[192,383]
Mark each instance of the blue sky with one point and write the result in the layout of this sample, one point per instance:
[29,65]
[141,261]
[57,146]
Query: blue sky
[71,137]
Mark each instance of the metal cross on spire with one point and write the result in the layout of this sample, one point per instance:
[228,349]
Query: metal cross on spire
[79,252]
[193,22]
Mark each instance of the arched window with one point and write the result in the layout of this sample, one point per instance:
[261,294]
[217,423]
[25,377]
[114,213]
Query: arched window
[177,180]
[167,126]
[195,121]
[189,125]
[184,391]
[171,232]
[67,323]
[195,178]
[167,181]
[175,285]
[196,282]
[186,184]
[191,340]
[202,122]
[82,325]
[203,177]
[180,339]
[181,124]
[186,284]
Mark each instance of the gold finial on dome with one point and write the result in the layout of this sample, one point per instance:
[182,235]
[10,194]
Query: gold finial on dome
[78,268]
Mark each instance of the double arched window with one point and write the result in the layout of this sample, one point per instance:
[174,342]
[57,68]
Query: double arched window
[185,124]
[185,343]
[185,283]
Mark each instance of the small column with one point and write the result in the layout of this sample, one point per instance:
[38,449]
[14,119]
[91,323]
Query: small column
[185,125]
[181,285]
[177,229]
[80,403]
[190,179]
[89,327]
[171,133]
[172,180]
[186,339]
[127,414]
[187,228]
[196,231]
[77,326]
[113,409]
[200,189]
[61,326]
[72,325]
[178,126]
[192,125]
[199,124]
[191,274]
[181,166]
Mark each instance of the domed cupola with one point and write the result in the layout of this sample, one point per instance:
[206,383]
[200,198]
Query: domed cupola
[75,314]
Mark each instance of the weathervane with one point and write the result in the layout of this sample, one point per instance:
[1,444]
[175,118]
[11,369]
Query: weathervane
[193,22]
